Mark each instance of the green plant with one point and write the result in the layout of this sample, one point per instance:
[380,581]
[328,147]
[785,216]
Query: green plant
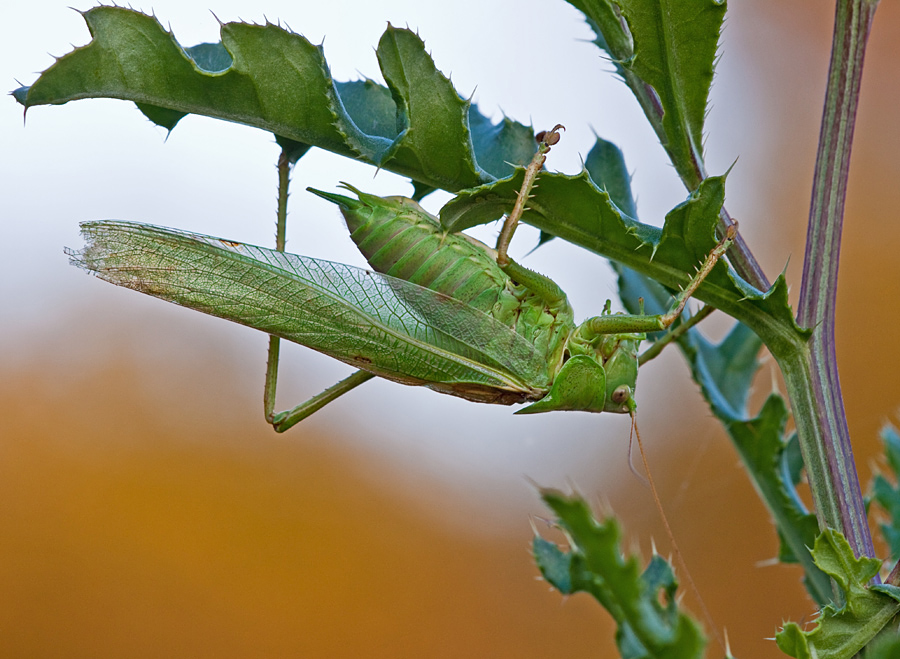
[420,127]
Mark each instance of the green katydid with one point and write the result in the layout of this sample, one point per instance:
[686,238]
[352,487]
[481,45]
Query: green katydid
[441,310]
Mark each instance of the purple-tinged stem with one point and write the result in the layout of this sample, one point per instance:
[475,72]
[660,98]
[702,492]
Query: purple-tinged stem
[839,502]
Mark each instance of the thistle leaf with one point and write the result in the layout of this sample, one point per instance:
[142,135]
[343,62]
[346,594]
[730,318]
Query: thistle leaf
[643,604]
[270,78]
[665,50]
[840,633]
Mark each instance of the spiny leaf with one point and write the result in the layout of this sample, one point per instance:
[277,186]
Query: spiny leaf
[841,632]
[276,80]
[433,112]
[675,44]
[760,443]
[606,166]
[725,372]
[666,55]
[650,624]
[605,19]
[575,209]
[499,146]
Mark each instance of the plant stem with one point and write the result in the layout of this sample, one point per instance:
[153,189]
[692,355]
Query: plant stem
[839,502]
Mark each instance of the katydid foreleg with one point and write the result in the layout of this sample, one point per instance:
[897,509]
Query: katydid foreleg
[674,334]
[598,326]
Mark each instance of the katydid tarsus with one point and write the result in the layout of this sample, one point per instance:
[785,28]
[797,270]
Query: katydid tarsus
[440,310]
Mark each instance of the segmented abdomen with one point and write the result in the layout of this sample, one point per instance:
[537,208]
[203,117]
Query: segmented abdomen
[399,238]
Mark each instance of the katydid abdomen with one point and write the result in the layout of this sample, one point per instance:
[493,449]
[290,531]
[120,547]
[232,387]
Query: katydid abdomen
[399,238]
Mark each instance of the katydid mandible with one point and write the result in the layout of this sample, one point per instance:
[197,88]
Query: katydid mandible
[440,310]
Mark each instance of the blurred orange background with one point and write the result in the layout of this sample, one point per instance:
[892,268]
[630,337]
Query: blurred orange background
[146,509]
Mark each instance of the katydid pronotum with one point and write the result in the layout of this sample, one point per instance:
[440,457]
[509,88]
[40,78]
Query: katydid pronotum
[440,310]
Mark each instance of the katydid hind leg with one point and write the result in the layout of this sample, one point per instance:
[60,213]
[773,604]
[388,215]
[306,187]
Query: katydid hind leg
[271,381]
[285,420]
[282,421]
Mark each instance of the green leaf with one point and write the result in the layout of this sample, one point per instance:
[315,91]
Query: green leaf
[270,78]
[575,209]
[674,51]
[499,147]
[650,624]
[840,633]
[761,445]
[606,166]
[792,461]
[164,117]
[554,564]
[886,646]
[675,44]
[436,139]
[887,495]
[605,19]
[725,372]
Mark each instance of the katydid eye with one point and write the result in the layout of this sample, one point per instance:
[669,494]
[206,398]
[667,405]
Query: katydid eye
[621,394]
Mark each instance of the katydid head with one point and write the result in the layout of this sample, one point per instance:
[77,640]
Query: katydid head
[599,379]
[620,361]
